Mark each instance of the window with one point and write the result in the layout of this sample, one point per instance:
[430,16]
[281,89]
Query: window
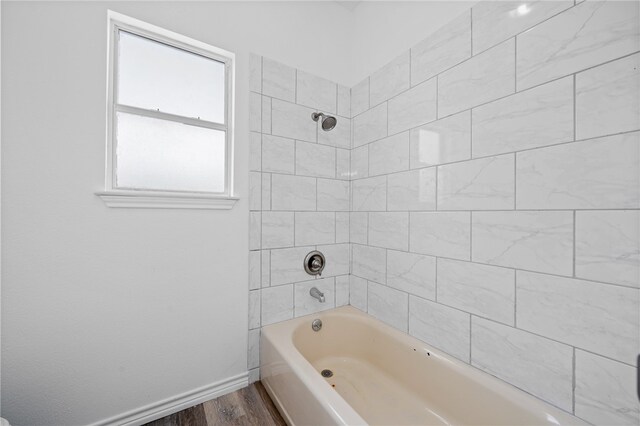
[169,130]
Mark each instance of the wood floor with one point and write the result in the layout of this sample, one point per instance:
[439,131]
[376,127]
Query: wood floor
[247,407]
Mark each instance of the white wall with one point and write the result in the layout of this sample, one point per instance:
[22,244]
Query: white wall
[106,310]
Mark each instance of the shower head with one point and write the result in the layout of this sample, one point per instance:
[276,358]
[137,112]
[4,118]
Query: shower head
[328,122]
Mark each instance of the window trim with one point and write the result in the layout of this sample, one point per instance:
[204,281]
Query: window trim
[142,198]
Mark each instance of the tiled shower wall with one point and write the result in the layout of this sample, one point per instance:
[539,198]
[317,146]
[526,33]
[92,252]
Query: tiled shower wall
[299,195]
[495,195]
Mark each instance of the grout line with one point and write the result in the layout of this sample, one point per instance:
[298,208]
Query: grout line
[574,244]
[515,64]
[515,181]
[575,112]
[573,381]
[470,336]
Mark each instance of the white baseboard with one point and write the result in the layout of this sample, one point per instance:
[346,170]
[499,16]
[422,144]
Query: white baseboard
[176,403]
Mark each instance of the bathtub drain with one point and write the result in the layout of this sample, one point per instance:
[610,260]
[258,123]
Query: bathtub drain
[327,373]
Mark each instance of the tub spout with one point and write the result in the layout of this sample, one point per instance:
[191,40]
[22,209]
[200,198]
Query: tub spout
[314,292]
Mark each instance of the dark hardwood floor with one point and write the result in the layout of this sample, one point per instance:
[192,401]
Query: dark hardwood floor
[247,407]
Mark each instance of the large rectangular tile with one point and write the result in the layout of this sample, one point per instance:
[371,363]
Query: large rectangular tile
[537,365]
[483,78]
[255,262]
[253,356]
[369,262]
[278,80]
[442,141]
[343,164]
[266,114]
[277,304]
[446,234]
[389,155]
[344,101]
[292,121]
[496,21]
[608,246]
[388,305]
[254,309]
[412,273]
[600,318]
[265,266]
[304,304]
[342,290]
[255,151]
[536,117]
[255,230]
[358,292]
[339,136]
[287,265]
[412,190]
[342,227]
[482,184]
[255,112]
[389,230]
[337,259]
[315,160]
[538,241]
[277,229]
[360,162]
[370,194]
[333,195]
[605,391]
[293,192]
[598,173]
[313,228]
[413,107]
[278,154]
[607,98]
[487,291]
[589,34]
[255,191]
[266,191]
[360,97]
[445,328]
[316,92]
[443,49]
[390,80]
[358,227]
[370,125]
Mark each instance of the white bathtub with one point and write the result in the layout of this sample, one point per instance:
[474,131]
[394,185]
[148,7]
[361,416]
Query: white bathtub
[383,377]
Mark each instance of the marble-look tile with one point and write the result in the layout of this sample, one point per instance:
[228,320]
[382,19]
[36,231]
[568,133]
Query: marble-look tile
[483,78]
[342,227]
[315,228]
[358,292]
[369,262]
[483,290]
[598,173]
[370,126]
[389,155]
[370,194]
[337,259]
[304,304]
[254,230]
[496,21]
[536,117]
[389,230]
[278,154]
[412,190]
[482,184]
[360,97]
[388,305]
[255,73]
[446,234]
[358,227]
[316,92]
[360,162]
[255,190]
[339,137]
[344,101]
[292,121]
[255,112]
[293,192]
[254,375]
[255,152]
[254,309]
[608,246]
[343,164]
[333,195]
[607,98]
[589,34]
[600,318]
[266,191]
[266,115]
[442,141]
[255,261]
[253,358]
[533,240]
[342,290]
[442,327]
[277,304]
[390,80]
[413,107]
[412,273]
[537,365]
[265,275]
[277,229]
[286,265]
[445,48]
[605,391]
[278,80]
[315,160]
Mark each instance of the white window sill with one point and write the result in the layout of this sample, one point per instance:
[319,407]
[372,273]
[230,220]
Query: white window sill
[150,200]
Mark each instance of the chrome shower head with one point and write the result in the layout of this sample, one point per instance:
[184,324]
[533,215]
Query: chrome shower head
[328,121]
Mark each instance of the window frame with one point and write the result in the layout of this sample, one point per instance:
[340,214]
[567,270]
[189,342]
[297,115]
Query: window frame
[114,196]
